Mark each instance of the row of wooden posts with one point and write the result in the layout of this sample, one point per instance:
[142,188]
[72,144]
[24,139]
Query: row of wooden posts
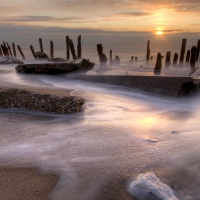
[192,56]
[5,49]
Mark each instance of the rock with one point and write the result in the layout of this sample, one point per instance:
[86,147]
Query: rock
[15,98]
[57,60]
[189,88]
[41,56]
[9,60]
[56,68]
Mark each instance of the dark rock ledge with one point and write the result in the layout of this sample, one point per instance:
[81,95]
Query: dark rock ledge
[16,98]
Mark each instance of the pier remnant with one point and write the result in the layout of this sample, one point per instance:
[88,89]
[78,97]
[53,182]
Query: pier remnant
[9,49]
[41,45]
[51,50]
[20,51]
[168,58]
[157,69]
[148,50]
[5,50]
[14,50]
[188,56]
[193,57]
[73,52]
[33,51]
[175,60]
[67,48]
[132,59]
[1,53]
[79,50]
[110,57]
[102,57]
[183,47]
[198,50]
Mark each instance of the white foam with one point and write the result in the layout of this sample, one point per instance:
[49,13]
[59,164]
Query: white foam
[149,186]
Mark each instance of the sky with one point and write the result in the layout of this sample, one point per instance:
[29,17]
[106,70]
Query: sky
[113,22]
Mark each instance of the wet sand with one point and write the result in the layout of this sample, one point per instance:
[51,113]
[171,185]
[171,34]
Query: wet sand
[25,184]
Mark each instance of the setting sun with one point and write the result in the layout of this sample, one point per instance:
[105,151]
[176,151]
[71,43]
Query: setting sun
[159,32]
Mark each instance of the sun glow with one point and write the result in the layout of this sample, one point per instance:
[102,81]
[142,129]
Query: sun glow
[159,33]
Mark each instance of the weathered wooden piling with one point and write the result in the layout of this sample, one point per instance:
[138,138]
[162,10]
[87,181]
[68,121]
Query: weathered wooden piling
[41,45]
[5,50]
[151,57]
[9,49]
[193,57]
[1,53]
[132,59]
[157,69]
[183,47]
[148,50]
[4,44]
[67,48]
[102,57]
[33,51]
[188,56]
[175,60]
[79,50]
[136,58]
[168,58]
[14,50]
[198,50]
[51,50]
[20,51]
[110,57]
[73,52]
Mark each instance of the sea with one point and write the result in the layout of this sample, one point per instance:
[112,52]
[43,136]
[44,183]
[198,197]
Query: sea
[124,144]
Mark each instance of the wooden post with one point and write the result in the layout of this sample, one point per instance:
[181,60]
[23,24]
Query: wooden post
[33,51]
[79,50]
[175,60]
[9,49]
[5,50]
[198,50]
[41,45]
[1,54]
[102,57]
[14,50]
[136,58]
[193,57]
[168,58]
[188,56]
[20,51]
[183,47]
[148,50]
[73,52]
[4,44]
[67,47]
[110,57]
[51,49]
[157,69]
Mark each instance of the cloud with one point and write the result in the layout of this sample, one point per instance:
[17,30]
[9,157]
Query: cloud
[135,14]
[27,18]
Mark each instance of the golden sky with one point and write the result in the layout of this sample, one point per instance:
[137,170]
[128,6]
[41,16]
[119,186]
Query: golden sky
[95,16]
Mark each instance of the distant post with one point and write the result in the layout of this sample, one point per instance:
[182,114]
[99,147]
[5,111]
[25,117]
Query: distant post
[33,51]
[5,50]
[175,60]
[110,57]
[157,69]
[79,50]
[168,57]
[20,51]
[1,54]
[148,50]
[193,57]
[102,57]
[188,56]
[14,50]
[9,49]
[67,48]
[183,47]
[51,49]
[73,52]
[198,50]
[41,45]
